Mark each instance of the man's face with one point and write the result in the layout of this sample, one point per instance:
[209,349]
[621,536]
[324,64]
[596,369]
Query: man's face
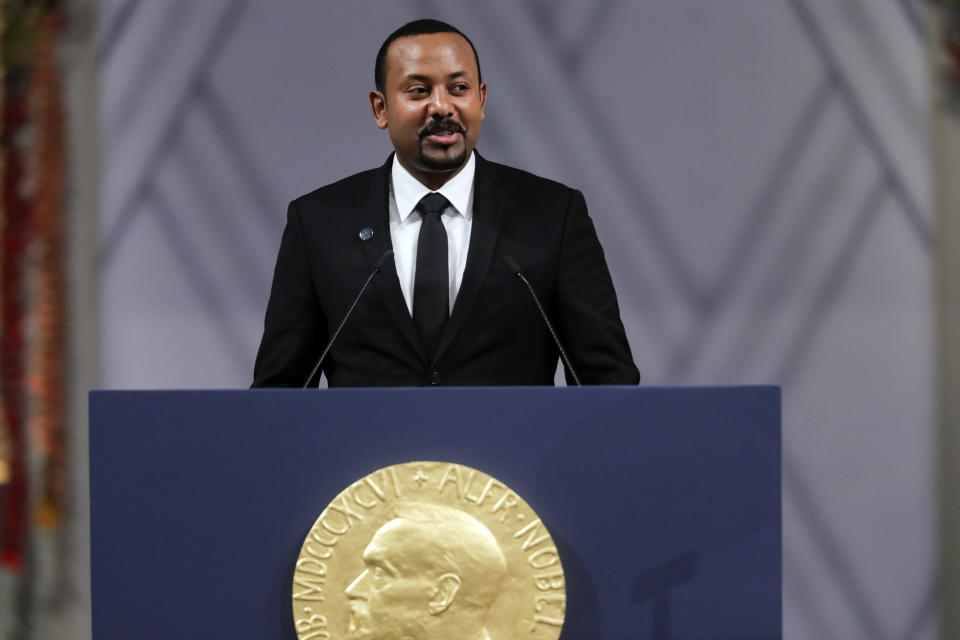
[432,104]
[389,598]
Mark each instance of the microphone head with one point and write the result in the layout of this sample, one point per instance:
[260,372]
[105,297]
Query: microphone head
[512,263]
[383,259]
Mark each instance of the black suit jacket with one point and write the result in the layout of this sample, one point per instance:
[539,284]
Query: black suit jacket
[494,336]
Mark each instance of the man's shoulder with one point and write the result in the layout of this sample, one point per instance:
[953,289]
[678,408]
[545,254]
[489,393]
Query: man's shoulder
[344,188]
[531,197]
[507,172]
[514,176]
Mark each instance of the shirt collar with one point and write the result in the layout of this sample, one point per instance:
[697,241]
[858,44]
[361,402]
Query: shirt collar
[408,191]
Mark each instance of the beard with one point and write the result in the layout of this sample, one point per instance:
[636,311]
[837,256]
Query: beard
[445,161]
[438,158]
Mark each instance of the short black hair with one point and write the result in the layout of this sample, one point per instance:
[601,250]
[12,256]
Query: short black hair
[415,28]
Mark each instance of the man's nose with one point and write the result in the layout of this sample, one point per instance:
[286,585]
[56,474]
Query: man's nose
[355,589]
[440,105]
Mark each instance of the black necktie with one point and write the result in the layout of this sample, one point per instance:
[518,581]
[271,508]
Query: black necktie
[431,288]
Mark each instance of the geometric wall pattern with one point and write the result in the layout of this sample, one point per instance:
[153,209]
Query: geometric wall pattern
[757,171]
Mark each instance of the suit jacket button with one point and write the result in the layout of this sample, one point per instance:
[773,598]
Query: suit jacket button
[434,377]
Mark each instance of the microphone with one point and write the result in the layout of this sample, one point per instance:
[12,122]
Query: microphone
[376,269]
[543,314]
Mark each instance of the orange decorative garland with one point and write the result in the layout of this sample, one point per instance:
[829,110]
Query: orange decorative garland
[45,382]
[32,274]
[5,452]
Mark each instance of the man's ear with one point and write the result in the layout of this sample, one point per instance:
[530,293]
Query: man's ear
[378,104]
[447,586]
[483,99]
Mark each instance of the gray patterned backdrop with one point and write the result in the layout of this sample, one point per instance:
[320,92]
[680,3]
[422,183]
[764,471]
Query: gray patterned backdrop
[757,170]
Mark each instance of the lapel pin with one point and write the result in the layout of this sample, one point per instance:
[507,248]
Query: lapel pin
[366,233]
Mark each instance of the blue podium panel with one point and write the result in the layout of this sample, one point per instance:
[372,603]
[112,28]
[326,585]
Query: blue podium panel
[663,502]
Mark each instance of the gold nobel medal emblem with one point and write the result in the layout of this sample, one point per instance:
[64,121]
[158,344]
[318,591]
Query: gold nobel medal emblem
[428,550]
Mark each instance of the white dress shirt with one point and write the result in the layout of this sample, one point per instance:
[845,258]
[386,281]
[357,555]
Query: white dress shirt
[405,192]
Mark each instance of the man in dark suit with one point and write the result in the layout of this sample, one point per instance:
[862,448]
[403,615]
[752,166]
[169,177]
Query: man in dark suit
[448,309]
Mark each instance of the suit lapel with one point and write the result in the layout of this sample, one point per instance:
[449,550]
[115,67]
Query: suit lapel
[487,211]
[373,213]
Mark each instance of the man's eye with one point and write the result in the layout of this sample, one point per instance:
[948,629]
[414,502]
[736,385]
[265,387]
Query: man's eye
[418,91]
[460,88]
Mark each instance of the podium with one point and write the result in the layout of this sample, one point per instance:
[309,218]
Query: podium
[664,502]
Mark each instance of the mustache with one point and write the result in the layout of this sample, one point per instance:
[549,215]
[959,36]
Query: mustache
[447,125]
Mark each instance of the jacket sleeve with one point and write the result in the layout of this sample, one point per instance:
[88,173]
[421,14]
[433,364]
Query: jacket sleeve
[294,329]
[585,304]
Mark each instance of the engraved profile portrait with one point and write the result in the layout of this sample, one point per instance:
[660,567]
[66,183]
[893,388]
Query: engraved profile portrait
[429,572]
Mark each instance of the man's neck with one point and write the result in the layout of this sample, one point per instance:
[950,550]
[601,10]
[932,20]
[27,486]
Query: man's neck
[433,180]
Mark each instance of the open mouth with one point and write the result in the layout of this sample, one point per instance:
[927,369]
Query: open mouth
[444,138]
[443,134]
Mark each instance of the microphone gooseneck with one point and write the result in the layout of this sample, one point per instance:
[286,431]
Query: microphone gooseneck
[543,314]
[376,269]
